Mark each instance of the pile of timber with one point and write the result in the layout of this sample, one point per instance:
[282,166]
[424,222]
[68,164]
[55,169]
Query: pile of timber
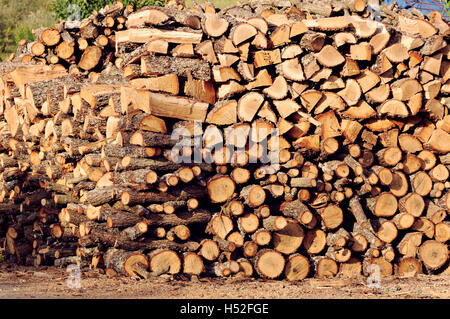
[277,142]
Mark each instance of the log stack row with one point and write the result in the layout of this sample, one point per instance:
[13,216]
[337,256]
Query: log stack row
[277,141]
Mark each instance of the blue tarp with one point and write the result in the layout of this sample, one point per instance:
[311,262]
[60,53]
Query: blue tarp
[403,4]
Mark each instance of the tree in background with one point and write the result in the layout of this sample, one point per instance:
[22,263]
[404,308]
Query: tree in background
[19,18]
[62,9]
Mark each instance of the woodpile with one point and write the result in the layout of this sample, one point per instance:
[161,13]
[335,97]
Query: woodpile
[266,139]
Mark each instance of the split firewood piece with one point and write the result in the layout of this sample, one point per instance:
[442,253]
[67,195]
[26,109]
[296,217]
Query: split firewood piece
[262,79]
[350,68]
[409,245]
[394,108]
[200,89]
[248,105]
[259,23]
[351,93]
[425,227]
[434,212]
[269,263]
[291,69]
[127,263]
[382,65]
[242,32]
[206,51]
[396,53]
[329,100]
[416,26]
[172,106]
[223,113]
[435,109]
[409,143]
[361,51]
[310,66]
[266,58]
[150,16]
[433,254]
[405,89]
[342,38]
[438,142]
[166,83]
[278,90]
[327,24]
[183,50]
[224,74]
[291,51]
[286,107]
[215,26]
[367,80]
[362,110]
[280,36]
[141,35]
[379,41]
[329,124]
[329,56]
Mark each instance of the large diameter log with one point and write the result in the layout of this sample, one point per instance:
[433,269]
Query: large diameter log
[128,263]
[269,263]
[433,254]
[383,205]
[164,259]
[220,188]
[289,239]
[90,58]
[297,267]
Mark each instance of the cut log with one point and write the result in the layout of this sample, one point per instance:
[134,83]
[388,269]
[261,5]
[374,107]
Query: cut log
[164,259]
[289,239]
[297,267]
[433,254]
[269,263]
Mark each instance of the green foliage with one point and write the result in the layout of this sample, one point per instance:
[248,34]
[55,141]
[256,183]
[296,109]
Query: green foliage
[447,7]
[18,19]
[62,9]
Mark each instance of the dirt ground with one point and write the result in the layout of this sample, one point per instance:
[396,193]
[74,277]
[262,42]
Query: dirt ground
[51,282]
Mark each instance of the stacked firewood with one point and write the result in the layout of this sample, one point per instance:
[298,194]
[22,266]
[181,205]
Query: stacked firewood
[265,139]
